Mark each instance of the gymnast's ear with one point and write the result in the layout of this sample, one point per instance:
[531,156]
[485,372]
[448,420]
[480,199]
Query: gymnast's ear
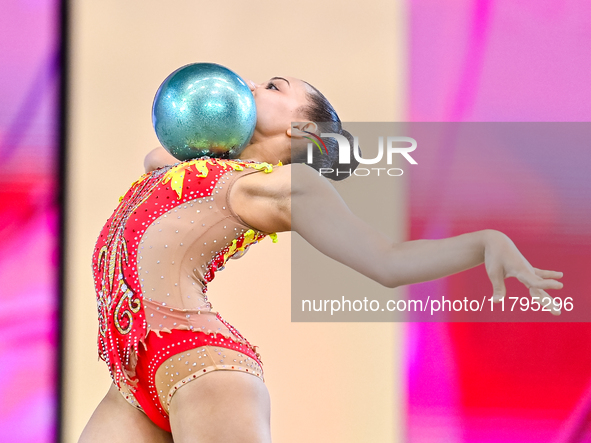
[299,130]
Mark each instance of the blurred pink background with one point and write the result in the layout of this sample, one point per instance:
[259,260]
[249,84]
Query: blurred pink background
[29,219]
[501,61]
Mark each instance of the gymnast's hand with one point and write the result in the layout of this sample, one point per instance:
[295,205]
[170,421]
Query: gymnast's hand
[157,158]
[502,259]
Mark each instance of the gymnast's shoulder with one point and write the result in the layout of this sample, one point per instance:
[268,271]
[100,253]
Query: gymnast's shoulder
[280,183]
[263,200]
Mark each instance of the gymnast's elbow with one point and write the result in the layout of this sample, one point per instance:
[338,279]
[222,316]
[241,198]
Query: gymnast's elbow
[386,278]
[390,281]
[386,266]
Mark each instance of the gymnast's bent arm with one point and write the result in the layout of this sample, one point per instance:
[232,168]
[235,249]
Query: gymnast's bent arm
[312,207]
[157,158]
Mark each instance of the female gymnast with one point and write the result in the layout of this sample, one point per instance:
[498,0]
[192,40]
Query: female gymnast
[181,372]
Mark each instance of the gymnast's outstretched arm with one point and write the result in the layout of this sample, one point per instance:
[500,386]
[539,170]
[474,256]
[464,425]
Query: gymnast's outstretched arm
[312,207]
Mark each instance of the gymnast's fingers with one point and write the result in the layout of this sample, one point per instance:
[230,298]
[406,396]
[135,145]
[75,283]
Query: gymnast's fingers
[498,283]
[531,280]
[546,302]
[548,274]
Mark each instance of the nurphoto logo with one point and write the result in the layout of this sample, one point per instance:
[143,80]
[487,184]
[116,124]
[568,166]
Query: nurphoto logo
[394,145]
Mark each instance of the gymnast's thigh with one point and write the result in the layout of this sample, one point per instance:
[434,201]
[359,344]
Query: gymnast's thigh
[116,421]
[222,406]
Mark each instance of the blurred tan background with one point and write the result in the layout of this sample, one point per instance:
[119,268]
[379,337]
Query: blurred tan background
[352,388]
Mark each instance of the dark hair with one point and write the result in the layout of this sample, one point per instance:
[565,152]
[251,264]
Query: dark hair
[320,111]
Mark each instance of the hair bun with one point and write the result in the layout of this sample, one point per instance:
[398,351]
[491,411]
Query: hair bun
[320,111]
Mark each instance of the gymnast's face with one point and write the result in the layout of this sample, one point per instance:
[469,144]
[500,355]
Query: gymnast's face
[279,102]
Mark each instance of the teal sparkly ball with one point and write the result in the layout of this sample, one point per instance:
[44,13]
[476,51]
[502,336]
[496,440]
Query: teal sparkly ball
[204,109]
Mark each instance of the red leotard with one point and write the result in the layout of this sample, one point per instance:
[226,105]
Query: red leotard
[169,235]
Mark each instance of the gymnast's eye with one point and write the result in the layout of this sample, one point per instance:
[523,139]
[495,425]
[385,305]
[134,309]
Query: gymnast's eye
[271,85]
